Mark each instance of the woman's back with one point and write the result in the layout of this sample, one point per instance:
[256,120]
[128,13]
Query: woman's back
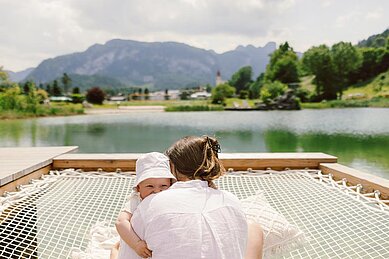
[192,220]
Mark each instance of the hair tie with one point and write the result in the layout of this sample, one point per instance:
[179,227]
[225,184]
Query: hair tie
[214,146]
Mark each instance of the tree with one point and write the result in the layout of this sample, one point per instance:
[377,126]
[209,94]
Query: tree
[346,59]
[255,87]
[5,83]
[167,96]
[318,61]
[208,88]
[49,90]
[26,87]
[3,75]
[283,65]
[41,95]
[11,99]
[32,100]
[147,93]
[95,95]
[56,90]
[184,94]
[76,90]
[221,92]
[241,80]
[66,81]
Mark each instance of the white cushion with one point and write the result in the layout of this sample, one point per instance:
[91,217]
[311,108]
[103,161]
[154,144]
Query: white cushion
[279,235]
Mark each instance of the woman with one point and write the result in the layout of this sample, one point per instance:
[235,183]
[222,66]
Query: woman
[193,219]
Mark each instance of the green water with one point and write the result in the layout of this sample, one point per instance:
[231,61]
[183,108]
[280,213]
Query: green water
[358,137]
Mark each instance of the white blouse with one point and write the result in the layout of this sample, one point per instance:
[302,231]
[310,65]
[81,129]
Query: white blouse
[192,221]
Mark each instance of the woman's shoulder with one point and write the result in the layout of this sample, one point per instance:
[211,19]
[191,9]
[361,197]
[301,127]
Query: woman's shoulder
[231,197]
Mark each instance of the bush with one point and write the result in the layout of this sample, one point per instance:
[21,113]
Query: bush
[42,95]
[77,98]
[184,95]
[272,90]
[243,94]
[12,99]
[95,95]
[221,92]
[303,94]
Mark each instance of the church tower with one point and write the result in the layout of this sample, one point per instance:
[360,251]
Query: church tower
[219,79]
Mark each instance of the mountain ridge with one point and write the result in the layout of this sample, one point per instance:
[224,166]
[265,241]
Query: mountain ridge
[20,75]
[161,64]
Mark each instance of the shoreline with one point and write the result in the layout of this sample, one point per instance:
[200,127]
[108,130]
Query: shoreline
[124,109]
[12,115]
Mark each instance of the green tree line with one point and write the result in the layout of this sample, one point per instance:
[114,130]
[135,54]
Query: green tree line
[334,68]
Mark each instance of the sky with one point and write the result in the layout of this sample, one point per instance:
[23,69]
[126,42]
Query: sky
[34,30]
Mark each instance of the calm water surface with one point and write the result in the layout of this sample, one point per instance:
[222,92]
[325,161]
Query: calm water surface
[358,137]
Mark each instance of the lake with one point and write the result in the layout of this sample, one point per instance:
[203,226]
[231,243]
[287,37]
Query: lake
[359,137]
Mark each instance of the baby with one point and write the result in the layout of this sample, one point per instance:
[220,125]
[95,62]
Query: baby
[152,176]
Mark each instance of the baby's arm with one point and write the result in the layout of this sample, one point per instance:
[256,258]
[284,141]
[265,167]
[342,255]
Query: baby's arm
[127,233]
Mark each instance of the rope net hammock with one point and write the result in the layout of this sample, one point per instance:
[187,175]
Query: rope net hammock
[51,216]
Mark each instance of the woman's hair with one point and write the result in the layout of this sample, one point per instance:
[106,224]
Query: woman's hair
[197,158]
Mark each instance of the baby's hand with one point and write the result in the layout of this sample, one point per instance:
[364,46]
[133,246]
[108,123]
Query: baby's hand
[142,250]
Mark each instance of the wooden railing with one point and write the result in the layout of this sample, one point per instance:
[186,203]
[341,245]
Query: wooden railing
[237,161]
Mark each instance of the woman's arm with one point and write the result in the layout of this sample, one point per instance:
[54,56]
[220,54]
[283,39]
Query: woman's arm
[254,248]
[127,233]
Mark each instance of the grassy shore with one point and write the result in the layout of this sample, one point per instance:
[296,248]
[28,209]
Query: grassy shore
[67,109]
[55,109]
[377,102]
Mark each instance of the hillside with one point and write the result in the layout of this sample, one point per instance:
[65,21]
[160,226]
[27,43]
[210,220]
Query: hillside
[375,87]
[162,65]
[375,41]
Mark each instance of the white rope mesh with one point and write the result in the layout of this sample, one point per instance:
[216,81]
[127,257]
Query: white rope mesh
[49,217]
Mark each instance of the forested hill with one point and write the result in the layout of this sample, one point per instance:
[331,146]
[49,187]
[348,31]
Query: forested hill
[375,41]
[163,65]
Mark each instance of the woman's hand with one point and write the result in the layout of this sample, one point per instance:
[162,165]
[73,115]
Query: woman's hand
[142,250]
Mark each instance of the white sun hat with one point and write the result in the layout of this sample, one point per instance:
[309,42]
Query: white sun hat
[152,165]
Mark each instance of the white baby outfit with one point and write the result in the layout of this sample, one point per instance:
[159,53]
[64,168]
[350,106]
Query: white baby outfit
[150,165]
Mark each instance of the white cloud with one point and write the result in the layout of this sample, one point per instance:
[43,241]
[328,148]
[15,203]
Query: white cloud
[327,3]
[374,15]
[345,20]
[38,29]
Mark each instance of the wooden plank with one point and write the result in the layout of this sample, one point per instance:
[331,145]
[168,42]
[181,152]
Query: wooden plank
[276,161]
[369,182]
[12,186]
[20,161]
[237,161]
[107,162]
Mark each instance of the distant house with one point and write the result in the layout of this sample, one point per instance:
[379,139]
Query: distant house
[161,95]
[119,98]
[60,99]
[200,95]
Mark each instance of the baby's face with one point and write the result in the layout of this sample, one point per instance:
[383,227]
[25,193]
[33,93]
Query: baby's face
[153,185]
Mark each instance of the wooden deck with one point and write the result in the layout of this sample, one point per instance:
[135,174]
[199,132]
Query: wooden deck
[19,165]
[16,163]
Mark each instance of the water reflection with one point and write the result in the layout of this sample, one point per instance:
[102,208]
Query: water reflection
[359,137]
[370,153]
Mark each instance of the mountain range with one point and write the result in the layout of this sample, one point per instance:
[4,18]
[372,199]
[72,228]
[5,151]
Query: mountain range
[19,76]
[158,65]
